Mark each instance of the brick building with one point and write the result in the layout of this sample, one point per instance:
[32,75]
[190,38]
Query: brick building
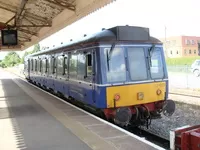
[182,46]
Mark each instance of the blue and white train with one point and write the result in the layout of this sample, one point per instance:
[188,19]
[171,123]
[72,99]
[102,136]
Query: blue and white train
[120,71]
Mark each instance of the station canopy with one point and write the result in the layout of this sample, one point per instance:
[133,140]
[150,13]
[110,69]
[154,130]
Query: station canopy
[37,19]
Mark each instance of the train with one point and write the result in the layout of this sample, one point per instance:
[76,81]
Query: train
[119,72]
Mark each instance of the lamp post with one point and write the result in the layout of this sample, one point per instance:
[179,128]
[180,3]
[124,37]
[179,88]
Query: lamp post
[166,41]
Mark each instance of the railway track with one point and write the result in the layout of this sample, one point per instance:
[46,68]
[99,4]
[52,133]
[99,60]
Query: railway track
[139,131]
[162,142]
[181,94]
[180,98]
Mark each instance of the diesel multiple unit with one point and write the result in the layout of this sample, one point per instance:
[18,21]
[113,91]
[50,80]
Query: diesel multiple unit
[120,72]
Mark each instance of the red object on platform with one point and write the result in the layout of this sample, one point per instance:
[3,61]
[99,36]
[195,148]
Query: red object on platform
[187,138]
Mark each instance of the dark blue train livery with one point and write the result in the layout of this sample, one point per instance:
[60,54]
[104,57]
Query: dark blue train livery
[120,71]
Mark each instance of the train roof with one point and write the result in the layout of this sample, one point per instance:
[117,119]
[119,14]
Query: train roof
[115,34]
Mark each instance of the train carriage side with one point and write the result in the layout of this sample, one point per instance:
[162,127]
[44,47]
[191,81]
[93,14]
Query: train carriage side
[122,72]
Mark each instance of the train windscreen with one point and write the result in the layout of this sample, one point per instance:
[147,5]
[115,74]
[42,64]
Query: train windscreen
[115,64]
[137,63]
[156,65]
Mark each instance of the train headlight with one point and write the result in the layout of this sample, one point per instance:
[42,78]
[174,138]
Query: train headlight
[116,97]
[140,96]
[158,92]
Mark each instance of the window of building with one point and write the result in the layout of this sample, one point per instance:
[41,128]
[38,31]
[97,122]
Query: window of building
[176,52]
[193,42]
[190,52]
[185,41]
[171,52]
[194,51]
[185,51]
[188,42]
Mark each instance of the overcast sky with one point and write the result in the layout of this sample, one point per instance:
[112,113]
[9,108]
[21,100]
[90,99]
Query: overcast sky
[181,17]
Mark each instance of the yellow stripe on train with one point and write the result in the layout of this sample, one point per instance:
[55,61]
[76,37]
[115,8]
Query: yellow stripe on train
[129,95]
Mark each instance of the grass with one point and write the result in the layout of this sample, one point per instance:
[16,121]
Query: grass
[181,61]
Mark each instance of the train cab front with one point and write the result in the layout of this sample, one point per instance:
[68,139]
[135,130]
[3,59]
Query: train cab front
[137,83]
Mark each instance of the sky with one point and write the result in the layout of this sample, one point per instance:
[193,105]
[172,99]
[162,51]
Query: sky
[180,17]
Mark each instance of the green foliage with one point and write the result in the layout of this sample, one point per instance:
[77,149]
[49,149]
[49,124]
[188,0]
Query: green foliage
[35,49]
[25,54]
[10,60]
[181,61]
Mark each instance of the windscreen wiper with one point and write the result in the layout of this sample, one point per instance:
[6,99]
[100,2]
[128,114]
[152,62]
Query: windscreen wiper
[109,53]
[150,52]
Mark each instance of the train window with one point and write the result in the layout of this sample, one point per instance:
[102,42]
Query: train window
[53,65]
[35,64]
[40,65]
[81,66]
[89,65]
[73,66]
[156,64]
[137,63]
[65,66]
[115,64]
[50,65]
[31,64]
[46,65]
[60,65]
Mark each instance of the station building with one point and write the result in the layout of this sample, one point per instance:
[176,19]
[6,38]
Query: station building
[181,46]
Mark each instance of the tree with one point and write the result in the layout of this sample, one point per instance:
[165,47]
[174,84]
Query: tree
[11,59]
[36,48]
[25,54]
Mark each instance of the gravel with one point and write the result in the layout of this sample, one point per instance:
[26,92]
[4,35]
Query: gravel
[185,114]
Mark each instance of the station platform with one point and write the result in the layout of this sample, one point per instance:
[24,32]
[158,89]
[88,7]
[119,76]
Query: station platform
[32,119]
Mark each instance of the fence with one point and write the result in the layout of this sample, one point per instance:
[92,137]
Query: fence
[182,77]
[179,77]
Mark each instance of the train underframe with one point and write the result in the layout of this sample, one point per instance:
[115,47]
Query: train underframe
[135,115]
